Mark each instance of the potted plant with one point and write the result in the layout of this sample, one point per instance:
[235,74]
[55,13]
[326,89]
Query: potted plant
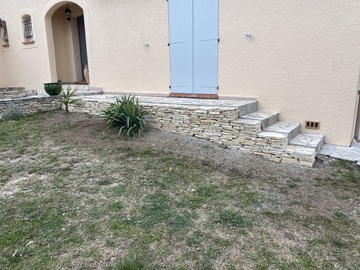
[53,89]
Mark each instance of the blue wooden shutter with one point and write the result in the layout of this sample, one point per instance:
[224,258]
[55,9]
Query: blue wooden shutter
[181,46]
[206,36]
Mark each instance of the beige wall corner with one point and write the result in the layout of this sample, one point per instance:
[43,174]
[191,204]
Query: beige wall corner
[301,59]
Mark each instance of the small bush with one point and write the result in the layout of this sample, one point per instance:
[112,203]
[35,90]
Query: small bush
[127,115]
[67,98]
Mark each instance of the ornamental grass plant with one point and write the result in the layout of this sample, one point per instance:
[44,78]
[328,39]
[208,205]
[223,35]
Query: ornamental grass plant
[127,115]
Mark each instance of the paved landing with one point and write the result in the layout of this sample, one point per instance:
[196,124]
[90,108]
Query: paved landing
[341,152]
[177,101]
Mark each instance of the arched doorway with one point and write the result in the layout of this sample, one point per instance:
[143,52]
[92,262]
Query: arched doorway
[66,42]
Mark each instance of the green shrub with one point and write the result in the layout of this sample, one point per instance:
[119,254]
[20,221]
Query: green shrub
[127,115]
[67,98]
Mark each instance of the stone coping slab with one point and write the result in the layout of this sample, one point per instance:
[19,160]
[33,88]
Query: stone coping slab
[144,100]
[12,88]
[27,98]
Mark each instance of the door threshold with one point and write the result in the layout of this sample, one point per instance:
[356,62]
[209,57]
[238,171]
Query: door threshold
[202,96]
[81,82]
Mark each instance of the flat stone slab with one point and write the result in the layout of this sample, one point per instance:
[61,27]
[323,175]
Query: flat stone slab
[79,92]
[208,103]
[14,88]
[269,134]
[259,115]
[266,118]
[283,127]
[291,129]
[341,152]
[309,140]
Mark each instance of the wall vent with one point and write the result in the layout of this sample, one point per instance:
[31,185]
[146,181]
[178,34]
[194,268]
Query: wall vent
[312,125]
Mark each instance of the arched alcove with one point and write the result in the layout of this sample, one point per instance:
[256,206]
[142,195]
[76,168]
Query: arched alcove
[66,41]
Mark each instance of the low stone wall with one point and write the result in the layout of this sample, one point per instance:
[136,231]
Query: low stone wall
[9,93]
[218,124]
[28,105]
[222,125]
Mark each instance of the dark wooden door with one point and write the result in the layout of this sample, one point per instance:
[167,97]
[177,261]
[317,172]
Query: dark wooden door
[82,44]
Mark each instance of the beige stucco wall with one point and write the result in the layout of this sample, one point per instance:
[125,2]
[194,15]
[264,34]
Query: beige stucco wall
[303,58]
[121,62]
[24,65]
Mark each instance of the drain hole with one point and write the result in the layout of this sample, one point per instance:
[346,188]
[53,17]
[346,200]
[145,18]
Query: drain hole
[312,125]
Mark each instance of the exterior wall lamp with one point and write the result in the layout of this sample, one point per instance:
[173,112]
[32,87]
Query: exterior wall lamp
[67,13]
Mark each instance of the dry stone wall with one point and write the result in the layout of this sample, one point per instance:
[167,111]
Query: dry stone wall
[218,124]
[28,105]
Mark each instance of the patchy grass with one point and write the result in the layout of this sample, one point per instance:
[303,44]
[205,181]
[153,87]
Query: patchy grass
[74,197]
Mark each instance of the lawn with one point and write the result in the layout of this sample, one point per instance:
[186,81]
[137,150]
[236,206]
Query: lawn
[75,197]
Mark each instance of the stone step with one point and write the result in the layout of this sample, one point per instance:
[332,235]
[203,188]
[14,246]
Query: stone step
[10,89]
[249,108]
[10,93]
[266,118]
[81,90]
[78,87]
[290,129]
[311,140]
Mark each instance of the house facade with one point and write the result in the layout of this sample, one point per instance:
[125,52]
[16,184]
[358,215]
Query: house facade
[299,58]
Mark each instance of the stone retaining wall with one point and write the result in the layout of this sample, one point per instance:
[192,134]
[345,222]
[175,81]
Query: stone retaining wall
[28,105]
[218,124]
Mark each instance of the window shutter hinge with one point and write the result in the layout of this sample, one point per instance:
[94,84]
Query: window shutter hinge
[217,87]
[169,86]
[218,39]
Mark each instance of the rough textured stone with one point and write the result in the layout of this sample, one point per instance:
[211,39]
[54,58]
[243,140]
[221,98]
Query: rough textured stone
[28,105]
[220,125]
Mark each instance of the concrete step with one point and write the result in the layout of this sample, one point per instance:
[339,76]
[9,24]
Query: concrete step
[266,118]
[310,140]
[290,129]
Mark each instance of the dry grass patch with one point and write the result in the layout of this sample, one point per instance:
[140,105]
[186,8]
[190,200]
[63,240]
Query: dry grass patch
[74,197]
